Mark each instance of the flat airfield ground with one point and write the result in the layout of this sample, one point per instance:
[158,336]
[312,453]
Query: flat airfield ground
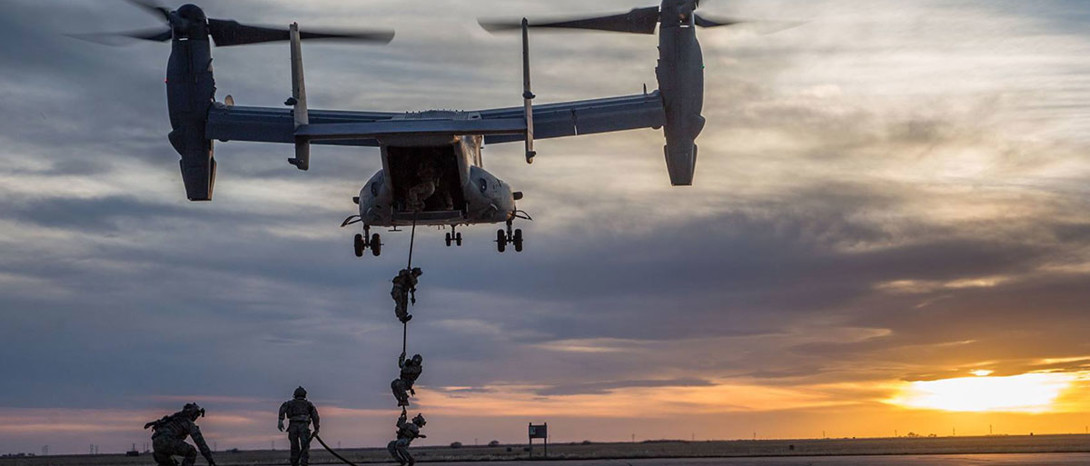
[944,451]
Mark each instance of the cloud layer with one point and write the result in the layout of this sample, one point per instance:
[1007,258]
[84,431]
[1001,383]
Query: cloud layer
[890,192]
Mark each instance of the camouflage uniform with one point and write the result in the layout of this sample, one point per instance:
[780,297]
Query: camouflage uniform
[410,371]
[170,432]
[300,413]
[404,285]
[406,433]
[420,192]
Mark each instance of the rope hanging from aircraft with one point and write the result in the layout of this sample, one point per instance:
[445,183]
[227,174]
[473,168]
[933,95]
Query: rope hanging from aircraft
[412,289]
[404,284]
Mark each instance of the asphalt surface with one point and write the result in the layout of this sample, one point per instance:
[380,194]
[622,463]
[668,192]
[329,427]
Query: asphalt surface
[1028,459]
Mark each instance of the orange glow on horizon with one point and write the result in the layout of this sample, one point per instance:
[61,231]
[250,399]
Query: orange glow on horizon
[1025,393]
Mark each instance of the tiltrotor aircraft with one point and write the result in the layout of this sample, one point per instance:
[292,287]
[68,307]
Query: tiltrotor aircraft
[431,161]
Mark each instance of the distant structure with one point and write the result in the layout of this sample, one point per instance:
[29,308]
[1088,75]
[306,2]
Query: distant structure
[541,432]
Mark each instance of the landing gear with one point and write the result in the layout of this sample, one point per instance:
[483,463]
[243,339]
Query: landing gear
[454,237]
[505,237]
[368,241]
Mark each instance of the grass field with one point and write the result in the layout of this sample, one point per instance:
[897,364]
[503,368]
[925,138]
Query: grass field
[656,449]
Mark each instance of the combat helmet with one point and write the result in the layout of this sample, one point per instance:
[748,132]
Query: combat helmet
[193,411]
[419,420]
[300,393]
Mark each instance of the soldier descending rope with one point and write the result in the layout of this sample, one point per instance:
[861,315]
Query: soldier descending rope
[410,371]
[170,432]
[404,292]
[406,433]
[300,413]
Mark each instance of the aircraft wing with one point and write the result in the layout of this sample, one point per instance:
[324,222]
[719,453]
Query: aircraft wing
[584,117]
[267,124]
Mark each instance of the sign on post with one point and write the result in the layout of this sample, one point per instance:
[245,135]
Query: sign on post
[541,432]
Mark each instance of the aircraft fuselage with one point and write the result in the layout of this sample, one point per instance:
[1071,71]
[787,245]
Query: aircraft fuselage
[434,180]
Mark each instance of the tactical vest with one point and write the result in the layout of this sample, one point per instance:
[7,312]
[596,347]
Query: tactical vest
[176,426]
[298,410]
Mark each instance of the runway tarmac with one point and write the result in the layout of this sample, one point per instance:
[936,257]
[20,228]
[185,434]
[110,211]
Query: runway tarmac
[1027,459]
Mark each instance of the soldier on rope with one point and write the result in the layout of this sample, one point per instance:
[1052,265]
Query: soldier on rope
[406,433]
[410,371]
[404,292]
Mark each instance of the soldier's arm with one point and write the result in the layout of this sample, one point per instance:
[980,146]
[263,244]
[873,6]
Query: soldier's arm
[401,360]
[401,420]
[314,418]
[280,418]
[195,433]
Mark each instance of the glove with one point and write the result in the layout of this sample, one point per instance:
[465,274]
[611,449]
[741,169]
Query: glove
[412,391]
[316,430]
[280,425]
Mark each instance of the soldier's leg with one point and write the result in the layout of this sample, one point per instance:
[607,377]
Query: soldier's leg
[161,451]
[401,307]
[304,444]
[402,395]
[392,448]
[403,451]
[187,450]
[293,438]
[163,459]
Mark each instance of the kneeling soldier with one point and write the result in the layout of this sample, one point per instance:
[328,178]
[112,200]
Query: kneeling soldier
[169,434]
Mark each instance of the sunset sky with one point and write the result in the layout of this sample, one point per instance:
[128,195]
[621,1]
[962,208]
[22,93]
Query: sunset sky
[889,232]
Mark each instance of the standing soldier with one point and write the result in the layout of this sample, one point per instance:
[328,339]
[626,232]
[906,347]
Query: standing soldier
[410,371]
[300,413]
[406,433]
[404,286]
[169,433]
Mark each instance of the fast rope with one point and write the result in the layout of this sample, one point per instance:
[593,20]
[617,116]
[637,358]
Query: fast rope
[409,267]
[331,451]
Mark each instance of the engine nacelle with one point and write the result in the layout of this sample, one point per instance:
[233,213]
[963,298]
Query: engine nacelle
[191,90]
[680,72]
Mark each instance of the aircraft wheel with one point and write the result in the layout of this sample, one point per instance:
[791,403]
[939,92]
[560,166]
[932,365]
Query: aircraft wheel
[518,240]
[458,239]
[501,240]
[359,246]
[449,239]
[376,244]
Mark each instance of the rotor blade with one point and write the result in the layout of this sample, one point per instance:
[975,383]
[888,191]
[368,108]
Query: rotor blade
[121,38]
[706,22]
[155,10]
[229,32]
[637,21]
